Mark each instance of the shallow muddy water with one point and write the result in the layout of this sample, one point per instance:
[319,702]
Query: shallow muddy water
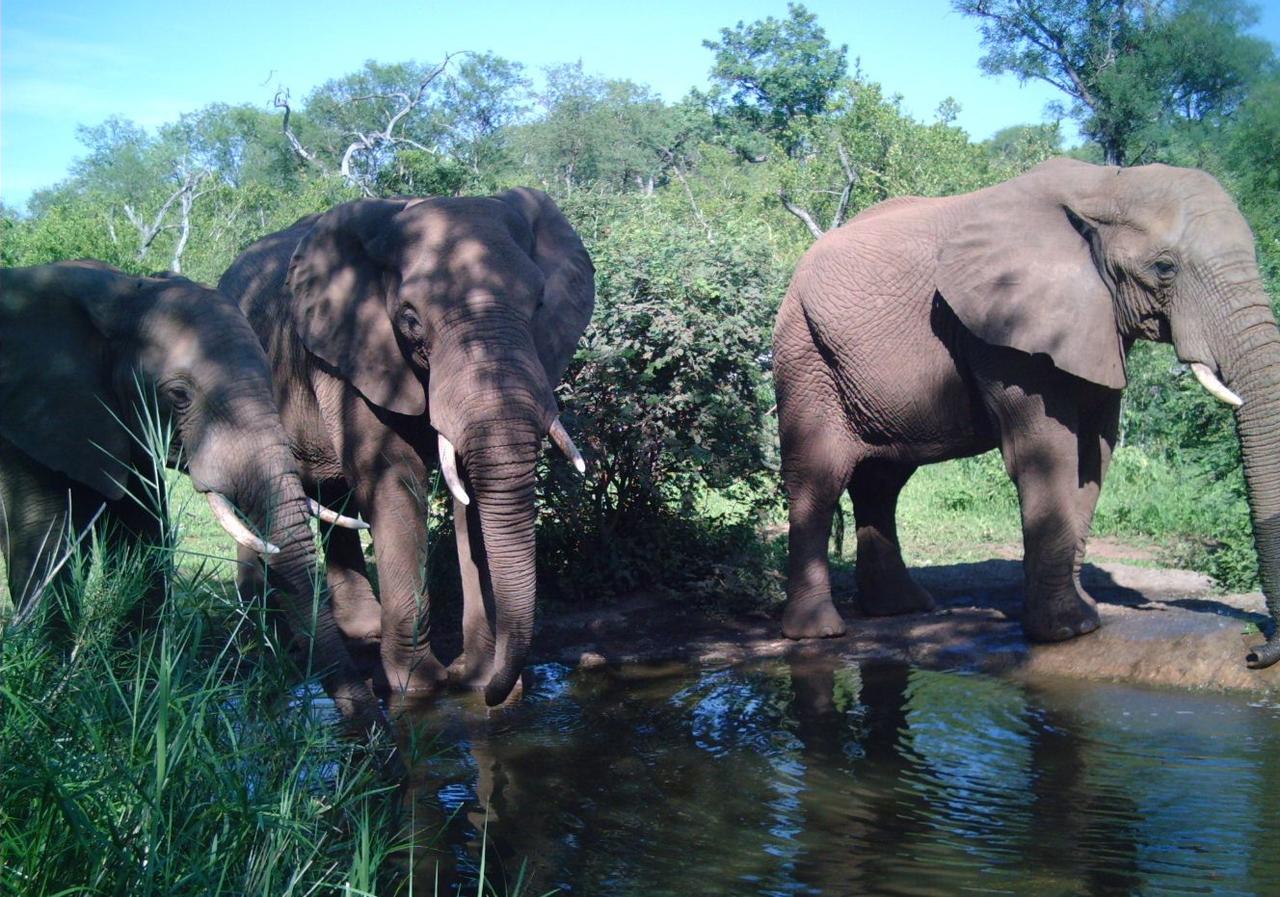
[821,777]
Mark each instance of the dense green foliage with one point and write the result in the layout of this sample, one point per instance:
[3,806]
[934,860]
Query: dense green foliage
[1136,74]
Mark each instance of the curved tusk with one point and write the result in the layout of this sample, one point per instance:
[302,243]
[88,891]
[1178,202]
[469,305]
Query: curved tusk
[225,513]
[329,515]
[449,467]
[1215,386]
[560,436]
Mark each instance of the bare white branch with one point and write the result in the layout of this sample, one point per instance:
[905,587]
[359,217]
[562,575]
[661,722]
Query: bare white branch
[802,214]
[281,101]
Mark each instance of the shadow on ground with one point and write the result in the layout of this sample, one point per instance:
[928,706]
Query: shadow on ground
[1159,627]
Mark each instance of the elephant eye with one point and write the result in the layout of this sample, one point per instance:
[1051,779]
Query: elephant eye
[179,395]
[1164,268]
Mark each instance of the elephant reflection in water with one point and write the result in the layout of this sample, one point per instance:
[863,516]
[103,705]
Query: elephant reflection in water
[595,791]
[881,795]
[817,777]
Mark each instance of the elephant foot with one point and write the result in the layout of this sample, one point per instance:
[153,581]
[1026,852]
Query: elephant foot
[361,625]
[423,680]
[891,596]
[469,676]
[812,619]
[1060,617]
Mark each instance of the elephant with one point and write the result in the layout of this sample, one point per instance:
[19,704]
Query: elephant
[927,329]
[83,349]
[409,335]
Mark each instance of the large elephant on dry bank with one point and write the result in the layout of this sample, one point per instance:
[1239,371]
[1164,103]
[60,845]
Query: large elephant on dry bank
[407,334]
[929,329]
[83,348]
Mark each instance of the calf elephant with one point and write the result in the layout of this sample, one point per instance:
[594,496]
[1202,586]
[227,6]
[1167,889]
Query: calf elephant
[83,347]
[929,329]
[403,331]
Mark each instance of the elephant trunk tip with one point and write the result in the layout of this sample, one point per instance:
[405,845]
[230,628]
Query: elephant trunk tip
[1265,655]
[500,685]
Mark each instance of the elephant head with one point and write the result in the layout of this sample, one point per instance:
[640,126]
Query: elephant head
[464,312]
[86,347]
[1076,261]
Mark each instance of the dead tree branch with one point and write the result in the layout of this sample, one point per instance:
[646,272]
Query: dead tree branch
[281,101]
[850,181]
[185,196]
[802,214]
[366,142]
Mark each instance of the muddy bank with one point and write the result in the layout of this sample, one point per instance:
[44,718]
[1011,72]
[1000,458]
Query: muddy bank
[1159,627]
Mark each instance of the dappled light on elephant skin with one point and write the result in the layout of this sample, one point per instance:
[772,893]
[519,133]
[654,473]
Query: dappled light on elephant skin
[814,775]
[935,328]
[416,335]
[145,370]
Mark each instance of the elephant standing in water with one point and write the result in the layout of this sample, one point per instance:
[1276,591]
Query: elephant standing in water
[929,329]
[82,348]
[406,330]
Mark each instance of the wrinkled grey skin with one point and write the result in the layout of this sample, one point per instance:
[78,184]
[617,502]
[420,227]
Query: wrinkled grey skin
[77,340]
[929,329]
[389,322]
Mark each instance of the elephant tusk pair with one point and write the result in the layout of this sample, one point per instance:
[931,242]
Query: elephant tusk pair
[1216,387]
[449,459]
[328,515]
[225,513]
[560,436]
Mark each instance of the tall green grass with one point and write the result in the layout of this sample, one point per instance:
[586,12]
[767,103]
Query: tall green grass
[179,760]
[192,756]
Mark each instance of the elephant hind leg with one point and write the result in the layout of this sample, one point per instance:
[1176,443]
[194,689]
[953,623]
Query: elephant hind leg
[815,473]
[884,586]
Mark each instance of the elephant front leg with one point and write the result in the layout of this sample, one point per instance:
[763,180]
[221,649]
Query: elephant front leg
[1046,469]
[474,667]
[1098,432]
[140,535]
[41,513]
[396,518]
[355,609]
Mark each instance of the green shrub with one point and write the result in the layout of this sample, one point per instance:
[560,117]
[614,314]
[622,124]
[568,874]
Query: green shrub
[668,394]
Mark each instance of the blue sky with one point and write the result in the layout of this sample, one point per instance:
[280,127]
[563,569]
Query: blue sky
[71,62]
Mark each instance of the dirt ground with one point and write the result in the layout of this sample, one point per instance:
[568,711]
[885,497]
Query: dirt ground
[1159,627]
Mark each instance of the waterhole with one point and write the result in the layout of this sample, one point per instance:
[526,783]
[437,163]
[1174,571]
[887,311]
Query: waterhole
[820,776]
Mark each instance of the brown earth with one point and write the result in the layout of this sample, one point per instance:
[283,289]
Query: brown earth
[1159,627]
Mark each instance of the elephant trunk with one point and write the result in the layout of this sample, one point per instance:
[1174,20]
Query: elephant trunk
[1251,366]
[500,457]
[257,475]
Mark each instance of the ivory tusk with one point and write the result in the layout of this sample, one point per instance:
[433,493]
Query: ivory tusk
[225,513]
[560,436]
[449,467]
[1216,387]
[329,515]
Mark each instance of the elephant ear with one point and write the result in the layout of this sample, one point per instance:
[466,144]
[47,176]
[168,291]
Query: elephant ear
[569,290]
[57,401]
[1019,272]
[343,279]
